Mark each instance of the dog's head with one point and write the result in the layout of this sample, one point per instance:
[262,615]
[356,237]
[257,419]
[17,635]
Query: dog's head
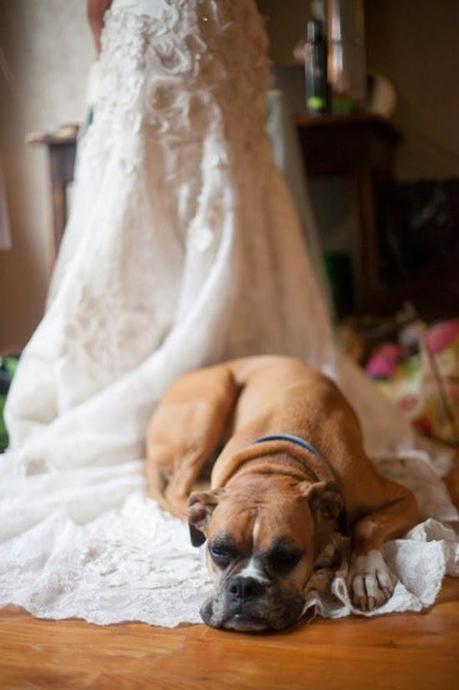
[263,536]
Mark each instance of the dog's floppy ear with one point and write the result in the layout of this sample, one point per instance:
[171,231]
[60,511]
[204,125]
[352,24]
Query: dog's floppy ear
[200,507]
[325,499]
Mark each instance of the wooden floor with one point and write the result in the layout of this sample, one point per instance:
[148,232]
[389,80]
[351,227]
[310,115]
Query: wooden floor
[415,651]
[398,652]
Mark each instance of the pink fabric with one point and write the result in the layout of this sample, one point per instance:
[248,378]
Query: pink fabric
[442,335]
[382,363]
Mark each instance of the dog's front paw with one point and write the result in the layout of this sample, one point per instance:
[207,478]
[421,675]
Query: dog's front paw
[371,583]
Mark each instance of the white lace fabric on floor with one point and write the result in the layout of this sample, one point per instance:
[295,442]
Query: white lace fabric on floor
[182,249]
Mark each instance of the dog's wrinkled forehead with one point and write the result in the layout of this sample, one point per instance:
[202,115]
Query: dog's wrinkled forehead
[260,510]
[261,527]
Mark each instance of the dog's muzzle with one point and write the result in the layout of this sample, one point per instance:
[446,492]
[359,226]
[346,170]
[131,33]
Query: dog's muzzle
[248,605]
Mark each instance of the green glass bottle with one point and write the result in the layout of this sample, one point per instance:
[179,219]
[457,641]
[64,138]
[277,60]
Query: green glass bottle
[316,68]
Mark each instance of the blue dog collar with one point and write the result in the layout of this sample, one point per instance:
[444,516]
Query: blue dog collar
[293,439]
[342,520]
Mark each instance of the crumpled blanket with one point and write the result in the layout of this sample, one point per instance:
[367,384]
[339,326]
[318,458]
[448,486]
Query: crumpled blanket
[137,564]
[420,561]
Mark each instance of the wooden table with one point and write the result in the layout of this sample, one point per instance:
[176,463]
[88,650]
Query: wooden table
[357,145]
[361,146]
[61,148]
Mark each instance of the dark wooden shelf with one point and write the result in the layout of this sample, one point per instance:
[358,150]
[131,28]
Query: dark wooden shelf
[360,120]
[360,146]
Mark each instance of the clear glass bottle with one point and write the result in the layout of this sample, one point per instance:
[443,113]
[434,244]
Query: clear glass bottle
[346,54]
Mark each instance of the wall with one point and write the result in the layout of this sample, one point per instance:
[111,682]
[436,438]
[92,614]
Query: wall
[286,24]
[45,52]
[414,43]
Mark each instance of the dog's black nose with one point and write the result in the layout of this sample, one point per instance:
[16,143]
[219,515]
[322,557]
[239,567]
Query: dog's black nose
[243,588]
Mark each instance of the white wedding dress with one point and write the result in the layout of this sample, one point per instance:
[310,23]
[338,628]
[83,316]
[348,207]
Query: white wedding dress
[182,249]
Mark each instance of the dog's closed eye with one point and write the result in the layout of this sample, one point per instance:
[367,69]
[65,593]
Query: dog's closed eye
[283,560]
[222,553]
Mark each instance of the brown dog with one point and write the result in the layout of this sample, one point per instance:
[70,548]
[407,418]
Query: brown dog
[274,503]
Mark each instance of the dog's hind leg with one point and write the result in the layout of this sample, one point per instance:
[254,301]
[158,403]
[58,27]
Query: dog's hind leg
[186,428]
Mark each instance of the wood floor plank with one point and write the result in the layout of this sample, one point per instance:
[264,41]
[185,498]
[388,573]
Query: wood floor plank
[399,652]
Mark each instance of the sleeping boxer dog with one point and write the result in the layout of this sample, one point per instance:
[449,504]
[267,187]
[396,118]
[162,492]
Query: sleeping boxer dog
[288,471]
